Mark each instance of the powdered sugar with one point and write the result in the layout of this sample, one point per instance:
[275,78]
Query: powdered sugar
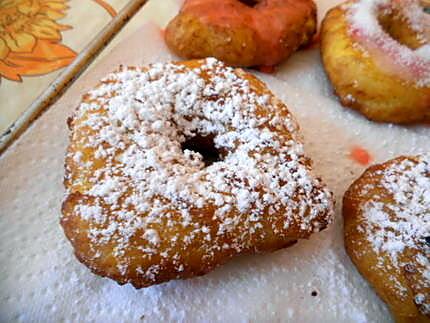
[139,119]
[409,183]
[423,51]
[366,29]
[40,271]
[403,225]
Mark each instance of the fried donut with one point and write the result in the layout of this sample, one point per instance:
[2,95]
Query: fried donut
[387,233]
[242,33]
[377,56]
[173,169]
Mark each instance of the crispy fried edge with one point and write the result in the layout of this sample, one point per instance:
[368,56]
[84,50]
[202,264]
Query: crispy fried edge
[73,226]
[365,258]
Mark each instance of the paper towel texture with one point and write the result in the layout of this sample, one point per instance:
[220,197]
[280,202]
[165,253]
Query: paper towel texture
[41,281]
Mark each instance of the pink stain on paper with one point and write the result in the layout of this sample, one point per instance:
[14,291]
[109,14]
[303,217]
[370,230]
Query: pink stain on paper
[360,155]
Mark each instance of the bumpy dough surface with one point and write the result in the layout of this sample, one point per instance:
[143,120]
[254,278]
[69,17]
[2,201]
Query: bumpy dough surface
[142,209]
[387,233]
[369,68]
[240,35]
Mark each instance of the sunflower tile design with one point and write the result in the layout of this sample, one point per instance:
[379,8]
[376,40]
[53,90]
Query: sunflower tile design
[30,38]
[37,39]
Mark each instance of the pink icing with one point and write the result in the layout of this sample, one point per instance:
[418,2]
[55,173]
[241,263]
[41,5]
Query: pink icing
[269,18]
[397,59]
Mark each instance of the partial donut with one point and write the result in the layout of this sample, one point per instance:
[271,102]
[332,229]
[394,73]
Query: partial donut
[377,56]
[242,33]
[387,233]
[173,169]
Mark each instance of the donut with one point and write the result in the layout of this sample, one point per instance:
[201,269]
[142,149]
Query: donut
[387,233]
[242,33]
[376,54]
[174,168]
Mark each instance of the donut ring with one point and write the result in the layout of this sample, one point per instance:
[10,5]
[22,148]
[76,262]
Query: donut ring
[387,233]
[377,56]
[242,33]
[143,208]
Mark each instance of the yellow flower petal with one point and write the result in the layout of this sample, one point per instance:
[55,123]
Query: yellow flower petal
[9,3]
[43,21]
[56,5]
[52,14]
[20,42]
[4,50]
[29,9]
[44,32]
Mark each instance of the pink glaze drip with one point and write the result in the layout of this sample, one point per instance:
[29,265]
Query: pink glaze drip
[269,18]
[360,155]
[316,42]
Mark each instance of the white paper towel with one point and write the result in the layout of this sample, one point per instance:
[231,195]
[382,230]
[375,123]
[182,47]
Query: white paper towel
[41,281]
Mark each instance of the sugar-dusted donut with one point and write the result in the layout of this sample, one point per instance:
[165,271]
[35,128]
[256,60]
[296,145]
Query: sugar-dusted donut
[174,168]
[387,233]
[242,33]
[377,55]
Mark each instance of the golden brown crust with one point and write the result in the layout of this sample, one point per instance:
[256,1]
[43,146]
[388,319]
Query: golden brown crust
[188,37]
[395,281]
[76,231]
[173,249]
[358,80]
[239,35]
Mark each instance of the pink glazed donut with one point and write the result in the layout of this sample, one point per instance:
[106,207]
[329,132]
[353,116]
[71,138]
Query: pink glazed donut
[242,32]
[377,56]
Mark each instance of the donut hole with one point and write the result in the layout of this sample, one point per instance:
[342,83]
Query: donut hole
[205,146]
[250,3]
[394,25]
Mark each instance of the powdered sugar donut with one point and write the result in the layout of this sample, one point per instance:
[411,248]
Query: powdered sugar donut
[172,169]
[377,56]
[387,233]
